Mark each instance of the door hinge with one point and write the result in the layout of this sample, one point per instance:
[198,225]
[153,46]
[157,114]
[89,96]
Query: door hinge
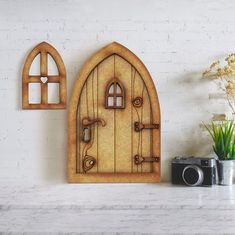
[139,159]
[140,126]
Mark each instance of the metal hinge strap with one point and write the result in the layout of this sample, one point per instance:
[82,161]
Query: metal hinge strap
[140,126]
[139,159]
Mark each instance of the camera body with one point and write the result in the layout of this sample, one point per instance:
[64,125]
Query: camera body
[193,171]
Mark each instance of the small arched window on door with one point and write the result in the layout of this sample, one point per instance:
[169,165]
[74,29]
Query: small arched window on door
[115,96]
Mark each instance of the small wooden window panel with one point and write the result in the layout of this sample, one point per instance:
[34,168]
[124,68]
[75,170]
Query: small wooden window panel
[115,96]
[44,50]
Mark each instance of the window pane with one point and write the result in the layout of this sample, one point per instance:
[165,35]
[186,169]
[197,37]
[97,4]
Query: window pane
[34,93]
[53,93]
[52,67]
[119,101]
[111,89]
[35,66]
[118,89]
[110,101]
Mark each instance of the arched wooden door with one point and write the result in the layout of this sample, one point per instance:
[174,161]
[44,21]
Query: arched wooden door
[114,120]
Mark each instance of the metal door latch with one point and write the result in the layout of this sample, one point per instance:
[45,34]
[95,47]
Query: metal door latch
[140,126]
[139,159]
[86,127]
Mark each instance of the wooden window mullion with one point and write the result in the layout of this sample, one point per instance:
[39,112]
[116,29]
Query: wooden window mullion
[44,93]
[114,94]
[43,63]
[53,79]
[33,79]
[43,71]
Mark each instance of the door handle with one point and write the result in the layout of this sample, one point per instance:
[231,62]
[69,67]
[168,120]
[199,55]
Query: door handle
[139,159]
[89,122]
[86,127]
[140,126]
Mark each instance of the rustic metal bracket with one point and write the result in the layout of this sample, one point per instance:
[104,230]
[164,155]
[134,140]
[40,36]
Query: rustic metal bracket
[139,159]
[140,126]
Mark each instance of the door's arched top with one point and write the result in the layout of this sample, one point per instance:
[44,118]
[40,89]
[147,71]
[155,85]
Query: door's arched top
[114,48]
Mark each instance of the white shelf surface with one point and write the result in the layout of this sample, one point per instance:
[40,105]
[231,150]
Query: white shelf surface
[117,208]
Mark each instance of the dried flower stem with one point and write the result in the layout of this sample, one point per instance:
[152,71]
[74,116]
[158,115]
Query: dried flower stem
[226,74]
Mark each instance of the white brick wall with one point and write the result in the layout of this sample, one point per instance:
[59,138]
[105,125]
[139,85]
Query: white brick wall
[176,40]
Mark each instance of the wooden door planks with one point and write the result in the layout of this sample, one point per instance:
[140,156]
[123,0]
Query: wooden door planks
[115,145]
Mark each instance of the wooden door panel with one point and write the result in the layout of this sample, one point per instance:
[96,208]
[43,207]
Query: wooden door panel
[119,123]
[146,142]
[91,97]
[81,112]
[114,142]
[95,107]
[106,155]
[91,148]
[138,87]
[87,109]
[123,119]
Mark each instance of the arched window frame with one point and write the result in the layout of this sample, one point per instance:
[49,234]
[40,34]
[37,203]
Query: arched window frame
[44,49]
[114,95]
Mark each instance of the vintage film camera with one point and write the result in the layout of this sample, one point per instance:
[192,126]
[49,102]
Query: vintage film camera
[194,171]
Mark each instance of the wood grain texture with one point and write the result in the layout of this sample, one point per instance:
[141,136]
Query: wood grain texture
[123,119]
[114,145]
[138,88]
[106,137]
[44,49]
[146,141]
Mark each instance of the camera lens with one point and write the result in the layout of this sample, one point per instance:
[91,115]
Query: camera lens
[192,175]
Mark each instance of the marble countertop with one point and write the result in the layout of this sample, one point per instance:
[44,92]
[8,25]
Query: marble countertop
[122,208]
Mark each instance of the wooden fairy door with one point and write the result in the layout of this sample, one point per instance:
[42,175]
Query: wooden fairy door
[114,121]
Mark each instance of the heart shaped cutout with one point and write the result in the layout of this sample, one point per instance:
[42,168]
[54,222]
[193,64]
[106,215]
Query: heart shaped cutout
[44,79]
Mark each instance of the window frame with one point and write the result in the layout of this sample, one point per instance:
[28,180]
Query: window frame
[114,94]
[43,50]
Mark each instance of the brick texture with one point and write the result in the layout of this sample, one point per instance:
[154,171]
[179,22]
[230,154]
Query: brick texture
[176,40]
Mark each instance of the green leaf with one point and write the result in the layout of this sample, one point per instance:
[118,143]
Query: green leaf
[223,138]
